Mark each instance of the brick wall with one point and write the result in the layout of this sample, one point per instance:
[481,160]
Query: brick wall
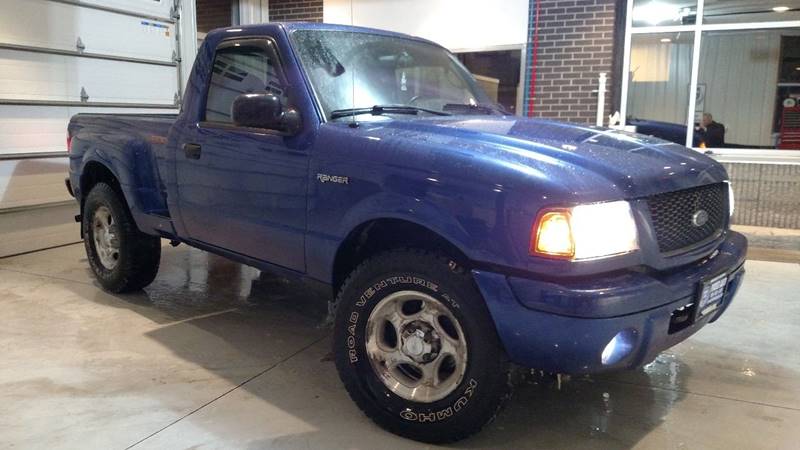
[213,14]
[576,43]
[295,10]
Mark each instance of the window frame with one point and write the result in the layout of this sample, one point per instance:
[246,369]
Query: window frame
[763,156]
[263,41]
[522,49]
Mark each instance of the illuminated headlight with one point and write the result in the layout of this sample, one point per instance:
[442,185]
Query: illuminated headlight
[585,231]
[730,197]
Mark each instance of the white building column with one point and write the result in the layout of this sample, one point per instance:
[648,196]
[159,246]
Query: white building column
[188,38]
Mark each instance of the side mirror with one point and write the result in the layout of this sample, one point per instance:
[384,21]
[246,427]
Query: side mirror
[264,110]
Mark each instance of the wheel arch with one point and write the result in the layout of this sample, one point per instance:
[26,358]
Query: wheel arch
[97,172]
[383,234]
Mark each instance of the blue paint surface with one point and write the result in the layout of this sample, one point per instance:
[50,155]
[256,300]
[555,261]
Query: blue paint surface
[478,181]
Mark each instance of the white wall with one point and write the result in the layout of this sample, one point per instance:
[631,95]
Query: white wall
[455,24]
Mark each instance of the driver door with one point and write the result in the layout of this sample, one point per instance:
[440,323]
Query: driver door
[244,189]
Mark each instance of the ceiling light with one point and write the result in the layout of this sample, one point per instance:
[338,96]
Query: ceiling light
[655,12]
[666,40]
[780,9]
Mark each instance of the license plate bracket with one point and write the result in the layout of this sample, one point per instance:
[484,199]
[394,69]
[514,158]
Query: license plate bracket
[710,294]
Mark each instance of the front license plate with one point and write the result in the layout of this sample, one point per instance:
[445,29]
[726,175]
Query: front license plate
[711,293]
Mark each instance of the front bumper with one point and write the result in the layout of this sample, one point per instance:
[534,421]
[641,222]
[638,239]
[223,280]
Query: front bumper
[564,326]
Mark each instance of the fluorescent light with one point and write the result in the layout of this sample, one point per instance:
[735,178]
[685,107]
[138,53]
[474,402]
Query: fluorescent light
[666,40]
[780,9]
[655,12]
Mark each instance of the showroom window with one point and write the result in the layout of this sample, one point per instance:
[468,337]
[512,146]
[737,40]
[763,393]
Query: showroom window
[729,83]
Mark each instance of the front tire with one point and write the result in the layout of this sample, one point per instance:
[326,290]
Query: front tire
[416,348]
[122,258]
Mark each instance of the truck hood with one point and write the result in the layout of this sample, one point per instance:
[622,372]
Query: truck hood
[634,164]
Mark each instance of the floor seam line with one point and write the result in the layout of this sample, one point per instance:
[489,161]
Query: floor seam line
[88,283]
[720,397]
[276,364]
[34,274]
[55,247]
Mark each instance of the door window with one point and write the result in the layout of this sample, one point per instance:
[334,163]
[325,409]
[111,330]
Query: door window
[241,67]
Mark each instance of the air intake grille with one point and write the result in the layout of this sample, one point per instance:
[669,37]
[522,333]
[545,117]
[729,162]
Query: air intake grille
[678,219]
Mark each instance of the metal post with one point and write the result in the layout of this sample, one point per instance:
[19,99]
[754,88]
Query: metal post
[601,99]
[626,64]
[698,34]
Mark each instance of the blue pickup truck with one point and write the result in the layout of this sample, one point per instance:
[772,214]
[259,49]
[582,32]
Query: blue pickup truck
[455,241]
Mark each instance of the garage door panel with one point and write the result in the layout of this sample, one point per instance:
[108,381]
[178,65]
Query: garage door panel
[46,77]
[156,8]
[36,129]
[49,24]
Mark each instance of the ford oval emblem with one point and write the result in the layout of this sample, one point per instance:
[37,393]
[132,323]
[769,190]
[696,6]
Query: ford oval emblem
[699,218]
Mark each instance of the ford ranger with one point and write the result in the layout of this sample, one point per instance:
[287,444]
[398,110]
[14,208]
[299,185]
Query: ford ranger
[455,241]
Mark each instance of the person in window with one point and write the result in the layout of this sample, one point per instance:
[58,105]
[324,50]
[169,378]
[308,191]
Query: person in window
[712,133]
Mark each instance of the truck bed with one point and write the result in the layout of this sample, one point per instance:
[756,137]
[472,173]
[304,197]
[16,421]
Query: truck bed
[139,140]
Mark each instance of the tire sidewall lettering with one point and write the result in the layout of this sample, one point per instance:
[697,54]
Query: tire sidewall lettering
[445,413]
[352,352]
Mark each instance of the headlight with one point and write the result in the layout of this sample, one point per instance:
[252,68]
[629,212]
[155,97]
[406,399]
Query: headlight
[585,231]
[730,197]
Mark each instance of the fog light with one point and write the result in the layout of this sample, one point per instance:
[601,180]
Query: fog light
[618,347]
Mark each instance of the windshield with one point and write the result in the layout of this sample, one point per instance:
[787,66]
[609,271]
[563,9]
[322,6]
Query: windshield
[361,70]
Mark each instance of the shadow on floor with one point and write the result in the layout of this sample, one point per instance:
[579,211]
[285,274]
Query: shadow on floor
[219,314]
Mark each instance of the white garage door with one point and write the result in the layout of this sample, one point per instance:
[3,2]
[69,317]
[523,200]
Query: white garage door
[61,57]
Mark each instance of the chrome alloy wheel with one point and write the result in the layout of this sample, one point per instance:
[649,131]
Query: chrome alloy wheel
[106,242]
[416,346]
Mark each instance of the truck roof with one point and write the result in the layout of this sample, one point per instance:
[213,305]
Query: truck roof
[263,28]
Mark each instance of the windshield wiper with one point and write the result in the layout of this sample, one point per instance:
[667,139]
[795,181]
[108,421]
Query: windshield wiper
[378,110]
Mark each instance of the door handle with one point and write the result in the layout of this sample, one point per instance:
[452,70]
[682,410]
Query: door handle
[192,151]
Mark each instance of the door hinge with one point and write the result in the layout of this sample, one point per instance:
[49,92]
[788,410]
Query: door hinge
[177,99]
[79,45]
[175,57]
[84,95]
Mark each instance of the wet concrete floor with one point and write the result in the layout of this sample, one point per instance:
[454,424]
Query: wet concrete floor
[216,355]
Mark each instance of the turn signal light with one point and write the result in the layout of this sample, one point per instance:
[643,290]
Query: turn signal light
[553,234]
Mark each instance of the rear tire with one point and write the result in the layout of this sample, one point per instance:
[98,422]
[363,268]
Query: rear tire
[386,352]
[122,258]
